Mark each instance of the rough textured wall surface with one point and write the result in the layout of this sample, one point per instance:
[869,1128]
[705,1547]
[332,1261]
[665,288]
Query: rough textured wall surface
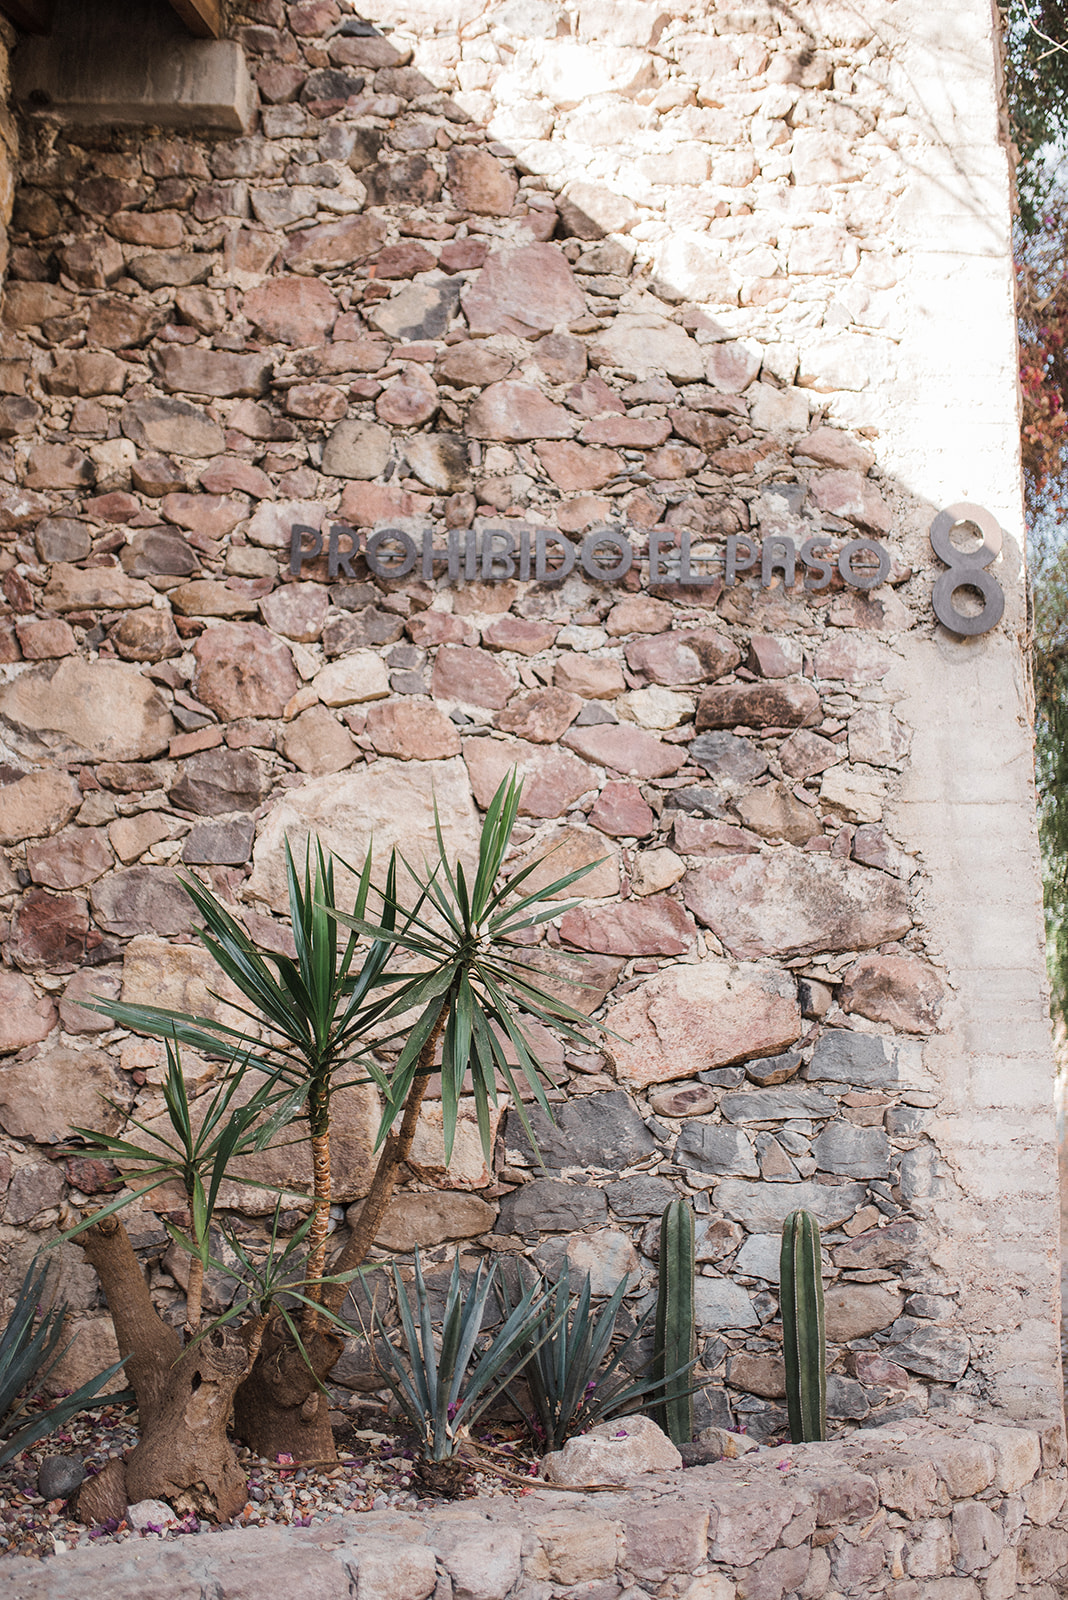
[711,274]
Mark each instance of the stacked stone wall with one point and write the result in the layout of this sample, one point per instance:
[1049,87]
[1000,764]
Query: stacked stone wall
[957,1511]
[503,269]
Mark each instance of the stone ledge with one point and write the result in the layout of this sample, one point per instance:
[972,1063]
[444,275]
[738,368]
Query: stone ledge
[956,1509]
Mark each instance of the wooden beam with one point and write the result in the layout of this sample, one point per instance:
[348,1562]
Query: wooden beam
[32,16]
[202,17]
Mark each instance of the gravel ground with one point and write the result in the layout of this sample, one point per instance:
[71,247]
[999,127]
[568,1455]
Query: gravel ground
[376,1470]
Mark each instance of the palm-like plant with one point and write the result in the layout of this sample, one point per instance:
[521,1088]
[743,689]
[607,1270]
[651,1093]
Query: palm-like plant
[195,1153]
[310,1020]
[471,992]
[311,1013]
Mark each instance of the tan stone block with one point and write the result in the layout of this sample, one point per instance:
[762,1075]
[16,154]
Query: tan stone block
[1043,1499]
[564,851]
[574,1549]
[466,1167]
[667,1539]
[131,836]
[36,805]
[1019,1454]
[966,1466]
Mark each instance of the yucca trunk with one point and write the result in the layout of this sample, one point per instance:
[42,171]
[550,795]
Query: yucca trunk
[395,1152]
[194,1296]
[281,1406]
[322,1189]
[183,1395]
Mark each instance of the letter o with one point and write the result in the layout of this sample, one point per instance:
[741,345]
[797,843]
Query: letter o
[592,567]
[382,569]
[865,578]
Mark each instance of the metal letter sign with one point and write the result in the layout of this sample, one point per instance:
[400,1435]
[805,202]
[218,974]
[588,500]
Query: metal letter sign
[967,569]
[495,554]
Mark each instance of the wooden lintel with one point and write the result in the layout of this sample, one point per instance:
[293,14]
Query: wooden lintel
[202,17]
[32,16]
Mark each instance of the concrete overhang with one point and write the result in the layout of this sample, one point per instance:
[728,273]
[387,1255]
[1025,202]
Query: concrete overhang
[131,63]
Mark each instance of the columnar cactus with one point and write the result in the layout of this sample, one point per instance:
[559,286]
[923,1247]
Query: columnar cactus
[674,1330]
[803,1337]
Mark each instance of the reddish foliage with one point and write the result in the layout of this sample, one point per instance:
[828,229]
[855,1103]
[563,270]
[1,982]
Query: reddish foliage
[1042,302]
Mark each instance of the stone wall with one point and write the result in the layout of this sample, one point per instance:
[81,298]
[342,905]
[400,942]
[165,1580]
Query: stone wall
[955,1511]
[711,275]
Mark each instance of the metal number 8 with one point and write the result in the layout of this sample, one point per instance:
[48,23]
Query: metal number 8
[967,569]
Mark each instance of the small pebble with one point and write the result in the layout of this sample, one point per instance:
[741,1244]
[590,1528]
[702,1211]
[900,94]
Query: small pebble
[59,1476]
[156,1514]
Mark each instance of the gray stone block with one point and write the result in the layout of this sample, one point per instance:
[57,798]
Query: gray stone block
[776,1105]
[719,1303]
[759,1257]
[931,1351]
[863,1060]
[710,1147]
[593,1130]
[640,1197]
[852,1152]
[763,1207]
[550,1206]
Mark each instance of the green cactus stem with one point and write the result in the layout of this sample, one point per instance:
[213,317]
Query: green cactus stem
[804,1338]
[673,1341]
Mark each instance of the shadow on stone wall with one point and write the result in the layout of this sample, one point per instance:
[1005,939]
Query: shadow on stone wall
[365,314]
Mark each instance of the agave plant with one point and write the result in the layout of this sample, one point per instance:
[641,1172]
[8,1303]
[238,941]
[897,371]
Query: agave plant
[573,1378]
[29,1351]
[443,1392]
[471,993]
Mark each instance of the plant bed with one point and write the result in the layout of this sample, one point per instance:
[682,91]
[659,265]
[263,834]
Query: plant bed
[375,1471]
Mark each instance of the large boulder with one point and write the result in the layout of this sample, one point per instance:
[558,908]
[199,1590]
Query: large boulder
[690,1019]
[390,803]
[90,711]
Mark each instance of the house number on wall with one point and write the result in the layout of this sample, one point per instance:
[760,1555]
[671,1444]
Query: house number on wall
[493,555]
[967,569]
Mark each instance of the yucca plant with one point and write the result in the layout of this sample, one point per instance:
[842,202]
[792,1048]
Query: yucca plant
[194,1152]
[444,1391]
[574,1378]
[29,1351]
[311,1020]
[471,994]
[308,1016]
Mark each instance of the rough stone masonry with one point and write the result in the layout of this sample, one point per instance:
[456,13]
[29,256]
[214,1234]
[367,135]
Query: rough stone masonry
[694,272]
